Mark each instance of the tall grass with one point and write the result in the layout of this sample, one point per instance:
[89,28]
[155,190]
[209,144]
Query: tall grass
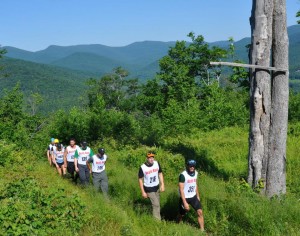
[230,207]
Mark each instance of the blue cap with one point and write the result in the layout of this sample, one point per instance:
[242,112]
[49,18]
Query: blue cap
[52,140]
[191,163]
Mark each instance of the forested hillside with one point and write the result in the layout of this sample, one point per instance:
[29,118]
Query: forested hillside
[59,88]
[140,59]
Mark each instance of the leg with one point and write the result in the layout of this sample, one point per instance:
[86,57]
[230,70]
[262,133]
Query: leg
[50,160]
[200,219]
[155,200]
[104,183]
[87,175]
[195,202]
[64,170]
[71,169]
[96,180]
[182,211]
[58,169]
[81,174]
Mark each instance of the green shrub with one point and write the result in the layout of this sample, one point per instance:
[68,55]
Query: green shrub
[26,209]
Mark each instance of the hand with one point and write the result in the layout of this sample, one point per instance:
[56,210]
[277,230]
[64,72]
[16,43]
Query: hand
[162,188]
[186,206]
[90,171]
[76,168]
[144,195]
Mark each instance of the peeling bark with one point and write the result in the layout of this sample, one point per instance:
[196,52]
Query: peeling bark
[260,90]
[268,97]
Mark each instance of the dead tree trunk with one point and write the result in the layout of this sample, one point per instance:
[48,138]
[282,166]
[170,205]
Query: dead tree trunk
[276,173]
[268,98]
[260,90]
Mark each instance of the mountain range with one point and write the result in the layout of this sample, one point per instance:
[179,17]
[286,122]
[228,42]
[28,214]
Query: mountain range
[65,64]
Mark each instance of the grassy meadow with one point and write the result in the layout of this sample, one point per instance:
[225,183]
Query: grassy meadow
[36,201]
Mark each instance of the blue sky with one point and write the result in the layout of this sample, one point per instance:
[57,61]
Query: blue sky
[35,24]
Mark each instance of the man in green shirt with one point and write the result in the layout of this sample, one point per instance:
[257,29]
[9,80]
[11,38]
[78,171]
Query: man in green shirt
[82,154]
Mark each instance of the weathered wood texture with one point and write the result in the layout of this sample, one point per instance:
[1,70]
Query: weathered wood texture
[268,97]
[223,63]
[260,90]
[276,173]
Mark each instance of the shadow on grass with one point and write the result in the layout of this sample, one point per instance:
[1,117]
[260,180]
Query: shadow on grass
[169,210]
[142,206]
[203,161]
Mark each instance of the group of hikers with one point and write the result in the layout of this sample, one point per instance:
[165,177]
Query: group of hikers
[80,162]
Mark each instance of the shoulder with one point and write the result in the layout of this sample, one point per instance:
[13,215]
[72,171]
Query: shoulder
[181,178]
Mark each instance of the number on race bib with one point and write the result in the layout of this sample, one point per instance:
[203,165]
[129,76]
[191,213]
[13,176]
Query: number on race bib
[191,189]
[84,158]
[72,157]
[152,179]
[99,167]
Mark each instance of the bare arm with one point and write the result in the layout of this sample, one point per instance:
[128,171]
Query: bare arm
[54,160]
[144,194]
[161,180]
[88,165]
[65,156]
[75,164]
[197,192]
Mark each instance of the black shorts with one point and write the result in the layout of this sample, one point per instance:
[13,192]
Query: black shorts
[194,202]
[60,164]
[71,167]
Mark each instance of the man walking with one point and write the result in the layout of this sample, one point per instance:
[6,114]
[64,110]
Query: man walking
[100,179]
[151,182]
[69,159]
[49,150]
[189,194]
[81,156]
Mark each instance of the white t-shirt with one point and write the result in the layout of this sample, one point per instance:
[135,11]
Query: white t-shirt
[190,184]
[151,174]
[98,163]
[71,152]
[83,155]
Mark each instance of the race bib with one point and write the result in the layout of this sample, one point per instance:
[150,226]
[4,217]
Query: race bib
[60,159]
[99,167]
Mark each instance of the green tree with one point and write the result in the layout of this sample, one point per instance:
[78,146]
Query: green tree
[187,67]
[2,52]
[116,90]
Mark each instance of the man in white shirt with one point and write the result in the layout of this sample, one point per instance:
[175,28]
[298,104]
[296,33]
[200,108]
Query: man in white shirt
[100,179]
[69,159]
[151,182]
[189,194]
